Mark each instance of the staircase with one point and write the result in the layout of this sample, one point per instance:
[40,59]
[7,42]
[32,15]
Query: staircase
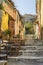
[33,49]
[32,42]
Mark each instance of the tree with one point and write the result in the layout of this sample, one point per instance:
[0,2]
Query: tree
[29,27]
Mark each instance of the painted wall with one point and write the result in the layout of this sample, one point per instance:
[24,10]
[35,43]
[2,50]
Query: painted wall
[8,9]
[41,13]
[4,24]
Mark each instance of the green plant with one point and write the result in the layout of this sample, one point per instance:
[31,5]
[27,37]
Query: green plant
[18,35]
[29,27]
[1,7]
[8,32]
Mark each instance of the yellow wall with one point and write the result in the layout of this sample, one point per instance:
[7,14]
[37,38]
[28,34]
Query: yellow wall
[4,24]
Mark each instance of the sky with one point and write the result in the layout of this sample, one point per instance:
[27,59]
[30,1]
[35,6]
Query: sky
[25,6]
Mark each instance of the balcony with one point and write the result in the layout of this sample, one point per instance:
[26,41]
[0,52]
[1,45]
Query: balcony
[8,8]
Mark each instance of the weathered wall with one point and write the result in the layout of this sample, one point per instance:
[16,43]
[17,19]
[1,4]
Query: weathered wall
[12,27]
[4,23]
[41,13]
[9,9]
[17,24]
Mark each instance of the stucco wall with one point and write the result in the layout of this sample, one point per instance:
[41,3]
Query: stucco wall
[42,13]
[4,23]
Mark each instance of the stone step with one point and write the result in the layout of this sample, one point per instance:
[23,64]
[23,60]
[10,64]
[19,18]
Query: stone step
[32,42]
[31,47]
[31,52]
[26,57]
